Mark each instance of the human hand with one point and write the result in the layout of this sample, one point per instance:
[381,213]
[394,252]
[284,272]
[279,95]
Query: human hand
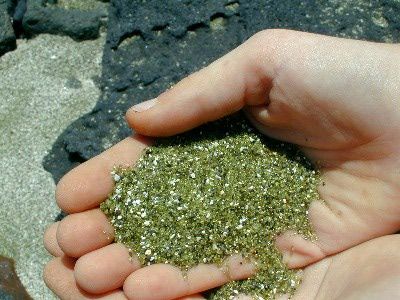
[335,98]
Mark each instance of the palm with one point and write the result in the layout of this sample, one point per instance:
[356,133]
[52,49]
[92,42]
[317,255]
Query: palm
[368,271]
[353,138]
[337,99]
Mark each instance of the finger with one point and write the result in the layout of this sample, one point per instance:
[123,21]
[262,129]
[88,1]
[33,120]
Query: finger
[193,297]
[84,232]
[274,127]
[105,269]
[224,87]
[297,251]
[161,281]
[59,277]
[87,185]
[50,240]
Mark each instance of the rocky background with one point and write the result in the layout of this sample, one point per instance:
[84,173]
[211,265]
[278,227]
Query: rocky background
[145,47]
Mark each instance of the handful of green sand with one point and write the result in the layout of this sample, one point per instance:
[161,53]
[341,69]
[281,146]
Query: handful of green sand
[218,190]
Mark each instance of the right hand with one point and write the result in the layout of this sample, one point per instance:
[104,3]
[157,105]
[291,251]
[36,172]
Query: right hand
[338,99]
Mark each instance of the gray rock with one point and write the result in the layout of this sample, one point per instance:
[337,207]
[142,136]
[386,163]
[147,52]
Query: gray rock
[73,83]
[36,104]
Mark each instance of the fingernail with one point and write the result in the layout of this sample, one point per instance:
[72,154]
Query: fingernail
[144,105]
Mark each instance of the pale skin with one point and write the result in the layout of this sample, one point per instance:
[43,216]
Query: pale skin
[338,99]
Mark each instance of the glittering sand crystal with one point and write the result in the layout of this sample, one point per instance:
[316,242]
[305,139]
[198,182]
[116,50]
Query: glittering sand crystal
[218,190]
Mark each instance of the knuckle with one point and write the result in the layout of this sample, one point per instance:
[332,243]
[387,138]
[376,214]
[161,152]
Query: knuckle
[272,42]
[62,234]
[47,272]
[60,193]
[272,35]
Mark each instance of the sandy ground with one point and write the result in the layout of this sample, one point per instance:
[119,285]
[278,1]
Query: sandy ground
[44,85]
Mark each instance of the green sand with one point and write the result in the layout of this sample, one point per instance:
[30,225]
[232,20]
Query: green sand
[217,190]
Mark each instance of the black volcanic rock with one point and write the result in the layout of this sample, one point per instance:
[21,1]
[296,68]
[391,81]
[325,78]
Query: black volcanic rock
[33,17]
[79,25]
[152,44]
[10,4]
[7,37]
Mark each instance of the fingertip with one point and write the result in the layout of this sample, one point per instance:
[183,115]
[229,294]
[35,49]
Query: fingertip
[48,271]
[81,233]
[58,276]
[89,184]
[60,195]
[104,269]
[297,251]
[50,240]
[141,123]
[159,281]
[237,267]
[76,184]
[136,117]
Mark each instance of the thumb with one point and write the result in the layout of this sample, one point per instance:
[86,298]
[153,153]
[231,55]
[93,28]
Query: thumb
[222,88]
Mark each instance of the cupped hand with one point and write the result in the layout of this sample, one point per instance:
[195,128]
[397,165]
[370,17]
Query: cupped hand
[337,99]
